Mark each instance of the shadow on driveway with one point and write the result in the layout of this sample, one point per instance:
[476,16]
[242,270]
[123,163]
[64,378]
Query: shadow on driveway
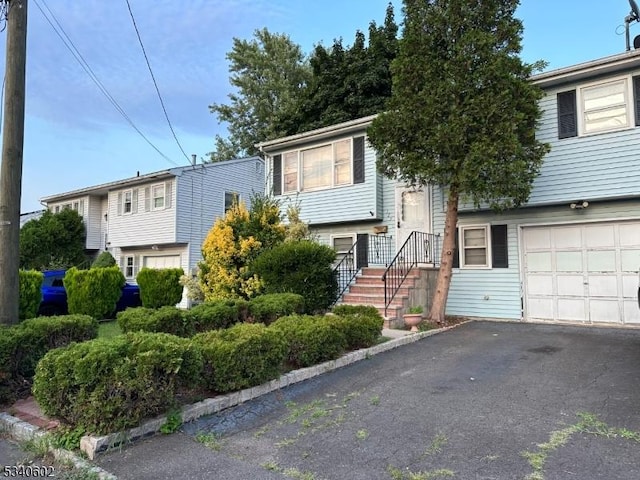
[482,401]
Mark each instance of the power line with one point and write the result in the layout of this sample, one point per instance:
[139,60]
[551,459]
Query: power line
[59,30]
[155,84]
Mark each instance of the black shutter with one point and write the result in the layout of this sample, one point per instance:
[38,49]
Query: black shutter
[567,115]
[636,98]
[358,160]
[277,174]
[456,253]
[362,250]
[499,247]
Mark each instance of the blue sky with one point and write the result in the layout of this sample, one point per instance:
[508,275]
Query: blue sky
[75,138]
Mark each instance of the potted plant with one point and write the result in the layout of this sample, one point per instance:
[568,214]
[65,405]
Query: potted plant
[413,317]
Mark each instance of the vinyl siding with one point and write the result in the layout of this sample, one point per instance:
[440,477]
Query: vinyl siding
[346,203]
[496,293]
[141,228]
[104,224]
[200,198]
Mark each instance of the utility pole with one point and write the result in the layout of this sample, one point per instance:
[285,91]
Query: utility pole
[11,169]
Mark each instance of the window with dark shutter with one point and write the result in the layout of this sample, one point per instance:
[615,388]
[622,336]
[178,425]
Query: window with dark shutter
[456,253]
[277,174]
[567,115]
[358,160]
[499,247]
[636,99]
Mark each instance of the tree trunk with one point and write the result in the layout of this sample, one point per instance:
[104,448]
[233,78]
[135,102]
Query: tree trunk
[446,261]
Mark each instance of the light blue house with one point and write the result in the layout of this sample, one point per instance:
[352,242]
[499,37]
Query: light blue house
[572,254]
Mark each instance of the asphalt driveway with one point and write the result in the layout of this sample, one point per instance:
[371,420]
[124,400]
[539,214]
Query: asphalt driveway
[482,401]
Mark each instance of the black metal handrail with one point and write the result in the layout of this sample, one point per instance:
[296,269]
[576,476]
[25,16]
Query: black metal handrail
[419,247]
[367,250]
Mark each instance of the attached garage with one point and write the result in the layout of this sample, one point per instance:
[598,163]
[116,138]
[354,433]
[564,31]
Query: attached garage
[161,261]
[582,273]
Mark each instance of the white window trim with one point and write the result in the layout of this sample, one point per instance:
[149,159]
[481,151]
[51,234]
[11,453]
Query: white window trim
[333,236]
[153,197]
[126,266]
[124,202]
[300,184]
[237,196]
[629,103]
[461,248]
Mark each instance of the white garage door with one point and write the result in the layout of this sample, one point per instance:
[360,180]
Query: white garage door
[162,261]
[584,273]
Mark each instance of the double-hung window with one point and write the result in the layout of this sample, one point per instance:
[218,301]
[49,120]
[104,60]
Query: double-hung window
[319,167]
[158,196]
[127,202]
[601,107]
[290,160]
[474,247]
[230,198]
[129,267]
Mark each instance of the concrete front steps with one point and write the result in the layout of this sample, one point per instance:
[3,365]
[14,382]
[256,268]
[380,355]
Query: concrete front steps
[368,289]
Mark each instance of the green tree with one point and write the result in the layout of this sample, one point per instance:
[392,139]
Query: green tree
[347,82]
[462,113]
[268,73]
[55,240]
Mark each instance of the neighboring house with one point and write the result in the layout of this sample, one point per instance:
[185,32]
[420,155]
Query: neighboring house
[572,254]
[160,220]
[25,217]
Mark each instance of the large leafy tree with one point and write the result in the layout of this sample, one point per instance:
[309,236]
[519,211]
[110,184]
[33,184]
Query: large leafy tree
[462,113]
[346,82]
[268,73]
[55,240]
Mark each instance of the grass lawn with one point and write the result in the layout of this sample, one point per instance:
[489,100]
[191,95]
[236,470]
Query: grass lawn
[108,329]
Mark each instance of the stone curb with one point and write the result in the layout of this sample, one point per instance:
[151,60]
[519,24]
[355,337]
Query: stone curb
[93,445]
[22,431]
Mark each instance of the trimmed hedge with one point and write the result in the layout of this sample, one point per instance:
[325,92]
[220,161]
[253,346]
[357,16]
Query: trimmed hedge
[310,339]
[303,267]
[105,259]
[160,287]
[268,308]
[360,330]
[138,319]
[217,314]
[30,293]
[108,385]
[93,292]
[23,345]
[242,356]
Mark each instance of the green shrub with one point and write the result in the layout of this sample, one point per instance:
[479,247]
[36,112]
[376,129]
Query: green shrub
[164,320]
[160,287]
[23,345]
[310,339]
[360,331]
[105,259]
[108,385]
[242,356]
[367,310]
[303,267]
[137,319]
[30,293]
[268,308]
[217,314]
[93,292]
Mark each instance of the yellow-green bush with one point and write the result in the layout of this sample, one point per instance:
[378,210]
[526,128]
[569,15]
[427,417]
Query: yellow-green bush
[233,243]
[30,293]
[93,292]
[160,287]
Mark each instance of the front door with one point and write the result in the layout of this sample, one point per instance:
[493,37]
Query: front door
[412,211]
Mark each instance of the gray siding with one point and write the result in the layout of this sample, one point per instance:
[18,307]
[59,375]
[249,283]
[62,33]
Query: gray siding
[200,198]
[496,293]
[141,228]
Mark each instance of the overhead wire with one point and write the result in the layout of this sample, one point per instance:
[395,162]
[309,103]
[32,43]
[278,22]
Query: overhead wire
[155,84]
[59,30]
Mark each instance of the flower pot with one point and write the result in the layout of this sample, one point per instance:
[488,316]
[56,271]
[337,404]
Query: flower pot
[412,320]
